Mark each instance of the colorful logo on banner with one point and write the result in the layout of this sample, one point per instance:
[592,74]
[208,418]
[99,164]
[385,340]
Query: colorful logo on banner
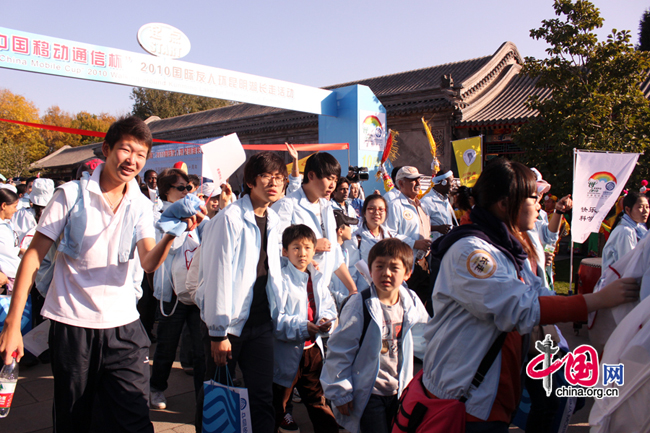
[601,184]
[468,159]
[373,131]
[581,371]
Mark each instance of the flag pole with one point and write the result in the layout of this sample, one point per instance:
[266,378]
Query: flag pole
[575,153]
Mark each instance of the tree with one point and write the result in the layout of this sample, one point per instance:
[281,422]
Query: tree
[596,99]
[55,140]
[92,122]
[150,102]
[644,32]
[19,145]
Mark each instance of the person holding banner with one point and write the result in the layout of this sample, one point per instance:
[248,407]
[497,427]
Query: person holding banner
[628,229]
[486,292]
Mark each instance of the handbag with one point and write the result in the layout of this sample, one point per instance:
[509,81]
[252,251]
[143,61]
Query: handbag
[419,413]
[226,408]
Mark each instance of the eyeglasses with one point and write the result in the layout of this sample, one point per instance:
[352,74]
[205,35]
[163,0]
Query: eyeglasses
[182,188]
[266,178]
[376,210]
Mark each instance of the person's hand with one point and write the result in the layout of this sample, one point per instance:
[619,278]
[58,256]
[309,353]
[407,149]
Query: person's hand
[615,293]
[312,329]
[3,279]
[443,228]
[548,258]
[346,408]
[315,264]
[565,204]
[292,152]
[11,340]
[194,221]
[221,352]
[376,192]
[422,244]
[324,325]
[323,245]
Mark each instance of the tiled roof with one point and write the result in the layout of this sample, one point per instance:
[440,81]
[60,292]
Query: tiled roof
[68,156]
[415,81]
[419,79]
[508,105]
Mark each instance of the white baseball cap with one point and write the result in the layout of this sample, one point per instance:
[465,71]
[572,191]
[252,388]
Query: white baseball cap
[42,191]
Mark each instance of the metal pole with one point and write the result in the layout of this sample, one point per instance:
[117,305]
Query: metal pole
[575,153]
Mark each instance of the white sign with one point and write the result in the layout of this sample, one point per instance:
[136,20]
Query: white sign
[163,40]
[222,157]
[373,131]
[598,182]
[43,54]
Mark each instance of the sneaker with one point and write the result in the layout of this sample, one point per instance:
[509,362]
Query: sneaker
[157,400]
[296,396]
[288,425]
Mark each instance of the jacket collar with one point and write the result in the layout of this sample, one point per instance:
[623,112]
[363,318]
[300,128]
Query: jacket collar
[249,214]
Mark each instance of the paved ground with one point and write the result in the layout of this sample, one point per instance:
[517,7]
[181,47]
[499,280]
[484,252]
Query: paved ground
[32,406]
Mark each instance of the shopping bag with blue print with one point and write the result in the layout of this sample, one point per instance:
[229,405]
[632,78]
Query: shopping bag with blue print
[226,408]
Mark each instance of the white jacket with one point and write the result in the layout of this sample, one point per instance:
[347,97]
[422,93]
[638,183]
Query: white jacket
[230,250]
[403,219]
[294,208]
[290,318]
[350,371]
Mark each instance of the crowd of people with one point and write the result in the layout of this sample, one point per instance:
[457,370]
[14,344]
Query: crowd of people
[300,280]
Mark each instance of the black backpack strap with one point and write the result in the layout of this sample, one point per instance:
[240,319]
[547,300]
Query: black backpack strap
[487,362]
[365,295]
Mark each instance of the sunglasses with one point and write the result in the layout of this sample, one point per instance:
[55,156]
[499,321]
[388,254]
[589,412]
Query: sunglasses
[182,188]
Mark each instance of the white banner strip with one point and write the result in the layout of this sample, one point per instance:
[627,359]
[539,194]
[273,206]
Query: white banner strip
[598,182]
[47,55]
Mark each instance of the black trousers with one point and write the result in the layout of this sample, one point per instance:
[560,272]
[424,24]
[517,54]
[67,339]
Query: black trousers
[253,352]
[112,364]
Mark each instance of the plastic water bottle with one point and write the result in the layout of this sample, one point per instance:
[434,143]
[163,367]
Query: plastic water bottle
[8,380]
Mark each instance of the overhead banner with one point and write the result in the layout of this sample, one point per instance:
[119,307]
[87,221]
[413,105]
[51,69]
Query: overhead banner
[599,178]
[469,160]
[47,55]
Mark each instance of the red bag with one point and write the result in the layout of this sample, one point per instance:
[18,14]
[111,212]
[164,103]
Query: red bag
[419,413]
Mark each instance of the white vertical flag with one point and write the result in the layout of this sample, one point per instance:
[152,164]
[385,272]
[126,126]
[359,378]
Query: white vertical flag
[599,178]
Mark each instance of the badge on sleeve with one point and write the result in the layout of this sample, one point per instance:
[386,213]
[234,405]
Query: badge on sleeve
[408,215]
[481,264]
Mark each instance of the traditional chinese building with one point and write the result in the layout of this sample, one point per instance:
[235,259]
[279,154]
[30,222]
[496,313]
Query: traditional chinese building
[483,96]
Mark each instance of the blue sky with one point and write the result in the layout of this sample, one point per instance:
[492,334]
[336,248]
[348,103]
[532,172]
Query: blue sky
[312,43]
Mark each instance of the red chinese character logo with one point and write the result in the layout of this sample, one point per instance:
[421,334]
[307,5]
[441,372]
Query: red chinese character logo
[20,45]
[97,58]
[61,52]
[79,55]
[41,48]
[581,366]
[4,42]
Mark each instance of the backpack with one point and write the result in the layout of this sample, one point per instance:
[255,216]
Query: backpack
[365,295]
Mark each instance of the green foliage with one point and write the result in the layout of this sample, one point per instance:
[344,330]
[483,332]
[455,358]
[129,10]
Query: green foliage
[596,99]
[644,32]
[150,102]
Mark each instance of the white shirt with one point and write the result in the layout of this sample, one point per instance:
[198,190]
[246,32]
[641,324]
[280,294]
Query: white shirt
[94,291]
[9,249]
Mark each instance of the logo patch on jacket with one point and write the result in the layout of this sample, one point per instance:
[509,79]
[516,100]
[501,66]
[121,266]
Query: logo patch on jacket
[481,264]
[408,215]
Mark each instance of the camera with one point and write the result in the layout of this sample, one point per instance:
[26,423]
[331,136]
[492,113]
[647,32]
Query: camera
[358,174]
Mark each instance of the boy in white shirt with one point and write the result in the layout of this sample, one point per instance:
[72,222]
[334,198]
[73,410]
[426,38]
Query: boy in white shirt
[98,345]
[304,310]
[370,355]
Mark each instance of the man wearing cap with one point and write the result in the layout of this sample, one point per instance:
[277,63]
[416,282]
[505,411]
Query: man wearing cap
[407,217]
[437,206]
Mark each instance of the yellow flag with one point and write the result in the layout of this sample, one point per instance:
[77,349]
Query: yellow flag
[469,160]
[301,165]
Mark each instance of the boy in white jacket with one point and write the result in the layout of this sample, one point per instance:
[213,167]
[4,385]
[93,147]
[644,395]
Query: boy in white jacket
[305,308]
[370,355]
